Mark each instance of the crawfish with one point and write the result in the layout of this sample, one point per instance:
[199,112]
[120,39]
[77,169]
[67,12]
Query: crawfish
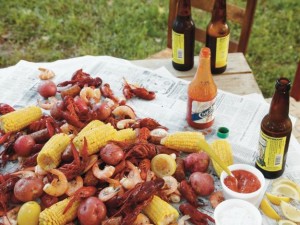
[7,184]
[76,167]
[150,123]
[130,90]
[107,92]
[46,122]
[132,202]
[5,108]
[197,217]
[141,151]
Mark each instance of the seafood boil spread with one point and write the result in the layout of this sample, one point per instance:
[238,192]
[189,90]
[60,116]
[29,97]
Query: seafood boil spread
[83,156]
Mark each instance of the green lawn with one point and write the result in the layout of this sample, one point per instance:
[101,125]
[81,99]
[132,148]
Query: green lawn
[50,30]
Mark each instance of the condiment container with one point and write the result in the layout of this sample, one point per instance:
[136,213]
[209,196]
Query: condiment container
[252,197]
[237,212]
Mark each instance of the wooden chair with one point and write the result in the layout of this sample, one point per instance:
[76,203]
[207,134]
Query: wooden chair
[295,91]
[242,16]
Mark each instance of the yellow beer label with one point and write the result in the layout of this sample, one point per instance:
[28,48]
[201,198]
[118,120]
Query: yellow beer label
[222,45]
[178,47]
[270,152]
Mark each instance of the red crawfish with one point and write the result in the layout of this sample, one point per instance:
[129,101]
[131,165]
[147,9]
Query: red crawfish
[130,90]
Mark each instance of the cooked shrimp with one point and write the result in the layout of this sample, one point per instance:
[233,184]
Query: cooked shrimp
[170,185]
[46,74]
[58,185]
[122,124]
[123,111]
[11,216]
[108,192]
[47,104]
[133,177]
[68,129]
[74,185]
[175,197]
[141,219]
[107,172]
[39,171]
[88,93]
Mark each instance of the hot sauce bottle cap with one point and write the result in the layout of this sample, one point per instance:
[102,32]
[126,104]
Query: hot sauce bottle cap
[205,52]
[223,132]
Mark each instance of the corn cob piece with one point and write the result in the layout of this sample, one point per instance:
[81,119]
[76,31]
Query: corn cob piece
[192,142]
[125,135]
[96,138]
[222,148]
[161,212]
[54,214]
[19,119]
[50,155]
[91,125]
[185,141]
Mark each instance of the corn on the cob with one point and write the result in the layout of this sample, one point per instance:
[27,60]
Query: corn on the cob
[125,135]
[54,214]
[222,148]
[192,142]
[96,138]
[19,119]
[161,212]
[91,125]
[50,155]
[185,141]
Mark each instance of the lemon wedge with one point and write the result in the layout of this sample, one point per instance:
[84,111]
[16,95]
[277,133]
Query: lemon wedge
[268,209]
[287,181]
[286,222]
[290,212]
[276,199]
[163,165]
[286,190]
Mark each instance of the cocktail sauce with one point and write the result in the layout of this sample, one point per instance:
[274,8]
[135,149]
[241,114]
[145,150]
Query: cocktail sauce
[247,182]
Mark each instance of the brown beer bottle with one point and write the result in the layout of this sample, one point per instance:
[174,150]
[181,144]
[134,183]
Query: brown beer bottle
[183,37]
[217,37]
[276,128]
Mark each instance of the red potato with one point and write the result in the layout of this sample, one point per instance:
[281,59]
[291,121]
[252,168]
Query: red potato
[28,189]
[202,183]
[111,154]
[103,111]
[197,162]
[91,211]
[24,145]
[47,89]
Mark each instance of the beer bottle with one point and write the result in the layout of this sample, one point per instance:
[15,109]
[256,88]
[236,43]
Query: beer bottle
[217,37]
[276,128]
[183,37]
[202,92]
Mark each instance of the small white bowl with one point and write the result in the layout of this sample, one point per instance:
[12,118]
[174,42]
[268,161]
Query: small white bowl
[237,212]
[253,197]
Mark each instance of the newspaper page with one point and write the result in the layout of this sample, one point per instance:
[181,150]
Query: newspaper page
[240,114]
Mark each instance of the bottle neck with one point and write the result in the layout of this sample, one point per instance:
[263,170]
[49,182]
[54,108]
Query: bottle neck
[279,108]
[184,8]
[219,11]
[203,71]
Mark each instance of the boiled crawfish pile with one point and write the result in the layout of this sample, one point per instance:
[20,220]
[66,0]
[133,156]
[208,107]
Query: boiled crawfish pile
[126,186]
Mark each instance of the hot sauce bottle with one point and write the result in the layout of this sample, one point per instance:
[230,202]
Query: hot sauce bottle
[202,92]
[276,128]
[217,37]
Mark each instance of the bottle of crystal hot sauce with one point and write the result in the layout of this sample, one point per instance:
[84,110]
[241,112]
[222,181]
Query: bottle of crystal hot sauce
[276,128]
[202,92]
[183,37]
[217,37]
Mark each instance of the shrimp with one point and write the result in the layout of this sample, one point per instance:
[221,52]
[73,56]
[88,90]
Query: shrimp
[123,111]
[170,186]
[88,93]
[133,177]
[58,186]
[142,219]
[47,104]
[108,192]
[104,174]
[74,185]
[69,129]
[46,74]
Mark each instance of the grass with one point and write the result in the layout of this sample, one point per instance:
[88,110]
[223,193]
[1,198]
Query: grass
[50,30]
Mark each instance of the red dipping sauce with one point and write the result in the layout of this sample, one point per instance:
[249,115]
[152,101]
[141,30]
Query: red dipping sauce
[247,182]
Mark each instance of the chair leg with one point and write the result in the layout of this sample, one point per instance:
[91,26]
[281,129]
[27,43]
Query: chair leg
[295,92]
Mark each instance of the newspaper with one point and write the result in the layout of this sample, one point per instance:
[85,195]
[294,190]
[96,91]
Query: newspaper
[242,115]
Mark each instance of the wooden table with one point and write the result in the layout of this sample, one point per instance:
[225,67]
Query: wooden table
[238,77]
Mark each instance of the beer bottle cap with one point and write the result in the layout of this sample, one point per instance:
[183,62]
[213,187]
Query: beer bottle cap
[223,132]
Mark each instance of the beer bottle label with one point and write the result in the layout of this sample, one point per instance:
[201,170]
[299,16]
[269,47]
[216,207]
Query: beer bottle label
[203,112]
[178,47]
[222,46]
[270,152]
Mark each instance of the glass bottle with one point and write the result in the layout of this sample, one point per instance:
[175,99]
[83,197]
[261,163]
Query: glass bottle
[276,128]
[217,37]
[202,92]
[183,37]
